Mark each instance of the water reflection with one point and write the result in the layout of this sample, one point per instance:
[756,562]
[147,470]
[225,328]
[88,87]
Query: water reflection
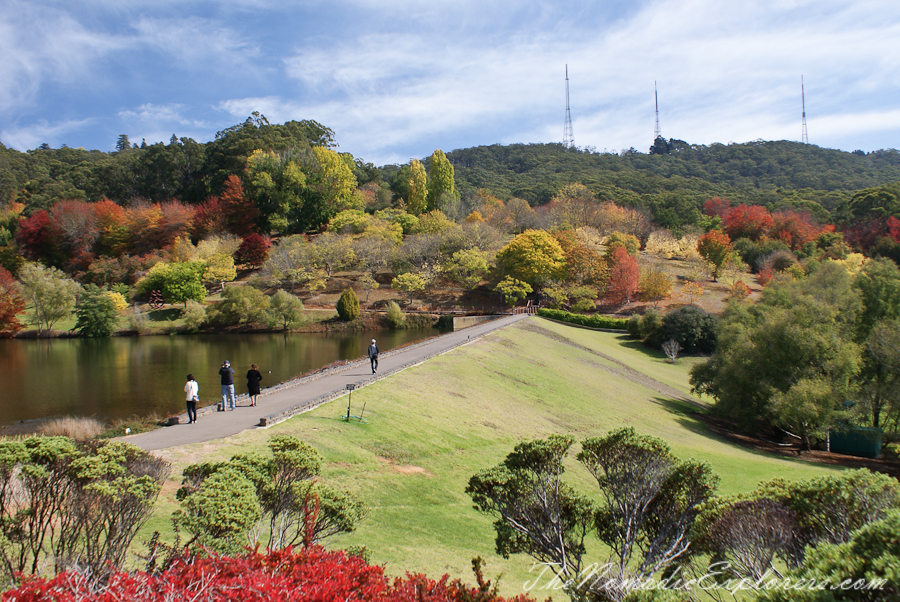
[121,376]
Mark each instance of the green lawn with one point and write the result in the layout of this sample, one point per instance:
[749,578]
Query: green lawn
[432,426]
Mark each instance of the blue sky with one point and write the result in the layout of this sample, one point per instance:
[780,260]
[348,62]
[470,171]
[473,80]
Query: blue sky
[397,79]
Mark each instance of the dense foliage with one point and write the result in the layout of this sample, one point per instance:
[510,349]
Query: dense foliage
[310,574]
[595,321]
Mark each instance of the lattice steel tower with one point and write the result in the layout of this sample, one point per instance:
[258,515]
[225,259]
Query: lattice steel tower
[568,134]
[805,138]
[656,130]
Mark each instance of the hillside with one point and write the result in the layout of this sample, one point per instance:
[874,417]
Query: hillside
[434,425]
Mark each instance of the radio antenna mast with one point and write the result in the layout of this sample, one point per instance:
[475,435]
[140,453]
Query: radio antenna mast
[805,138]
[656,132]
[568,135]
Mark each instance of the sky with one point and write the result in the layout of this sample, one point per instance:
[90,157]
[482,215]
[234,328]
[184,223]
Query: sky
[396,79]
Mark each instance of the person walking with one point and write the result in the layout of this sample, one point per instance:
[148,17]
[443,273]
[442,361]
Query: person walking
[192,389]
[373,356]
[227,374]
[253,378]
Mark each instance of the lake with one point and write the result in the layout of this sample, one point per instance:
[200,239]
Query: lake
[122,376]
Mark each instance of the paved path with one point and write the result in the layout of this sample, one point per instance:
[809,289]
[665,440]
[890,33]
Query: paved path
[294,397]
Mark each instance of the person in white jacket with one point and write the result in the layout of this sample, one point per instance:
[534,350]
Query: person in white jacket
[192,389]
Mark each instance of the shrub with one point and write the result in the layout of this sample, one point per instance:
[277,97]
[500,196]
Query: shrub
[594,321]
[138,321]
[348,306]
[286,309]
[194,315]
[395,315]
[694,329]
[254,250]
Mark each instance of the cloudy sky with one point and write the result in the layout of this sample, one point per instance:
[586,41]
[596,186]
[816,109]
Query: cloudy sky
[396,79]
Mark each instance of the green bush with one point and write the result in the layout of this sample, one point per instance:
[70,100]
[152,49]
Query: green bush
[395,315]
[582,320]
[194,315]
[241,304]
[348,306]
[694,329]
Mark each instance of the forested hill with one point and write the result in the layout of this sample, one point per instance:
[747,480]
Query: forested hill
[776,174]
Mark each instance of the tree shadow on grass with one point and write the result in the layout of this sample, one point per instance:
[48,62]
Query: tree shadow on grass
[164,315]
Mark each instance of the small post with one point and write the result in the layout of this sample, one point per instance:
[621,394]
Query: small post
[350,387]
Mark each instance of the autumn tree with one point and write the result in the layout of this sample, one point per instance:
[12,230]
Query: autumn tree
[238,212]
[467,267]
[574,206]
[624,276]
[417,204]
[715,247]
[11,305]
[751,222]
[254,250]
[441,185]
[533,257]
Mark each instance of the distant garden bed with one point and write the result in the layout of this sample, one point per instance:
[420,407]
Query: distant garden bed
[594,321]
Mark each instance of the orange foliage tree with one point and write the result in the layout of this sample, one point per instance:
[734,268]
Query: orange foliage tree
[715,247]
[796,229]
[624,276]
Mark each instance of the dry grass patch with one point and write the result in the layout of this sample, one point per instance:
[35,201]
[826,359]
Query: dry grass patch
[80,429]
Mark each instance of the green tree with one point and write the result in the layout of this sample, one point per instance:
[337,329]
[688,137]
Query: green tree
[330,183]
[51,295]
[177,282]
[647,503]
[408,283]
[194,315]
[467,267]
[219,269]
[97,313]
[533,257]
[513,290]
[286,308]
[416,204]
[242,304]
[793,348]
[277,184]
[348,306]
[441,184]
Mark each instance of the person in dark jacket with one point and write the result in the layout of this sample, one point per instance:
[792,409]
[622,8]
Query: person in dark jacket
[253,378]
[227,374]
[373,356]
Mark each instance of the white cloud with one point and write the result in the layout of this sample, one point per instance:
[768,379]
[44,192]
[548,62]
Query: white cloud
[37,134]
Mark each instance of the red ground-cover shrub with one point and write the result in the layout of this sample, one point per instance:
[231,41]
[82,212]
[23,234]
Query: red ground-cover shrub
[306,575]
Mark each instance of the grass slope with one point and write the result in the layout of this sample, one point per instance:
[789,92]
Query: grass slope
[434,425]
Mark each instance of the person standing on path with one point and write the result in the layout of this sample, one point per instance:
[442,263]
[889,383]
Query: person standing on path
[227,374]
[253,378]
[373,356]
[192,389]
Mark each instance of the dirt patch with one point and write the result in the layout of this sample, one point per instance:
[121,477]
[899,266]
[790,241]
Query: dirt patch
[408,469]
[725,430]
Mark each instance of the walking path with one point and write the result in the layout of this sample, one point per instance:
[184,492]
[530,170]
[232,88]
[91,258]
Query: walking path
[282,402]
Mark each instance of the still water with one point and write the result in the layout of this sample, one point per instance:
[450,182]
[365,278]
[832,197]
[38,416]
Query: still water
[122,376]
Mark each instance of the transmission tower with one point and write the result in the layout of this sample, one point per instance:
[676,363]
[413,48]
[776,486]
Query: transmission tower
[656,131]
[568,134]
[805,138]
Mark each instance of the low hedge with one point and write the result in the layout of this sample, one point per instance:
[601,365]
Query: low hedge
[594,321]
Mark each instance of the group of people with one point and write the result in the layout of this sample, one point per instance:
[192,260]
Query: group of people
[226,374]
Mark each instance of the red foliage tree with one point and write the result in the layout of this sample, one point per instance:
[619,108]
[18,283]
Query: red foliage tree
[11,305]
[74,228]
[33,236]
[309,575]
[751,222]
[893,226]
[209,218]
[716,207]
[796,229]
[240,213]
[624,276]
[254,250]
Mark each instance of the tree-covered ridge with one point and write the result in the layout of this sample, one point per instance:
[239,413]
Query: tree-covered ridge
[778,174]
[183,169]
